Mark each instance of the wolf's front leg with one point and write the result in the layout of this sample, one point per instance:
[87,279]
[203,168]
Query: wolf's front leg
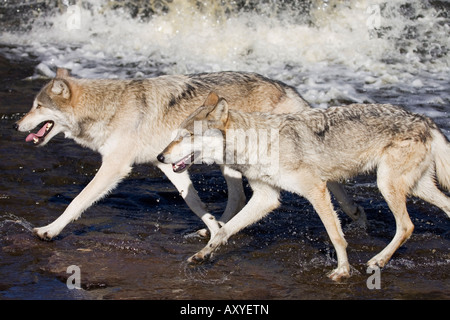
[263,201]
[319,197]
[236,197]
[184,185]
[111,172]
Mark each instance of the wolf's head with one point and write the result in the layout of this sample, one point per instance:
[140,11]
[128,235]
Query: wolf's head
[52,108]
[200,138]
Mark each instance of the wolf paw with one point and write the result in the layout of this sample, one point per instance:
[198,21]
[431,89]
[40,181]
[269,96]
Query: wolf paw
[199,258]
[203,233]
[377,262]
[199,234]
[339,273]
[45,233]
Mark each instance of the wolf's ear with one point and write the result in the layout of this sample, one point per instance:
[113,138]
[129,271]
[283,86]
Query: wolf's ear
[62,73]
[216,109]
[60,87]
[211,100]
[220,113]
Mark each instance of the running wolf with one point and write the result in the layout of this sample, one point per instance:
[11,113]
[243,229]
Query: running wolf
[130,121]
[315,146]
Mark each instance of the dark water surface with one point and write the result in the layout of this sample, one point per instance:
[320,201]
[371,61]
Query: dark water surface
[133,244]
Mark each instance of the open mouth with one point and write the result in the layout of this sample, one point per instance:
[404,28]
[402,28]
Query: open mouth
[183,164]
[39,137]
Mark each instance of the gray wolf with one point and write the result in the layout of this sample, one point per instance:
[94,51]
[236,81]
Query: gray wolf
[130,121]
[315,146]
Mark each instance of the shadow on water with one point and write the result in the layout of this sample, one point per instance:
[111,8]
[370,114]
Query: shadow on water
[133,244]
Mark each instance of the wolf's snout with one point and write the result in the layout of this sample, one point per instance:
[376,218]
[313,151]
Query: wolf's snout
[160,158]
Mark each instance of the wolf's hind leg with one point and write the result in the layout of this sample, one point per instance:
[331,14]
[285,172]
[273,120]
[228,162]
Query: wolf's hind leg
[426,190]
[347,205]
[394,190]
[263,201]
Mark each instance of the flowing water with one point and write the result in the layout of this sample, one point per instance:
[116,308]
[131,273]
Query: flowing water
[133,244]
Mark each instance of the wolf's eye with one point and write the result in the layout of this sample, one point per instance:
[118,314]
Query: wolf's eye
[38,106]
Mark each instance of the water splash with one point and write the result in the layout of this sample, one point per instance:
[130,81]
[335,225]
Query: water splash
[100,38]
[203,274]
[8,218]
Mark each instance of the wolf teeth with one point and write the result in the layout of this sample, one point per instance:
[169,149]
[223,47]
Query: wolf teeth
[49,125]
[36,139]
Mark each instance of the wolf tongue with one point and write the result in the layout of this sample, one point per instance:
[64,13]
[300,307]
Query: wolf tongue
[180,165]
[39,134]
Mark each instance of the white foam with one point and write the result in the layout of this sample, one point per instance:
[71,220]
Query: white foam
[339,45]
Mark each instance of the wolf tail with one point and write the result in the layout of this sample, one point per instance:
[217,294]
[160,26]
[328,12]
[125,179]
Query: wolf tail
[441,152]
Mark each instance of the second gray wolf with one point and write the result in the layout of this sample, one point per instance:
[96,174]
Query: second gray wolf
[130,121]
[315,146]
